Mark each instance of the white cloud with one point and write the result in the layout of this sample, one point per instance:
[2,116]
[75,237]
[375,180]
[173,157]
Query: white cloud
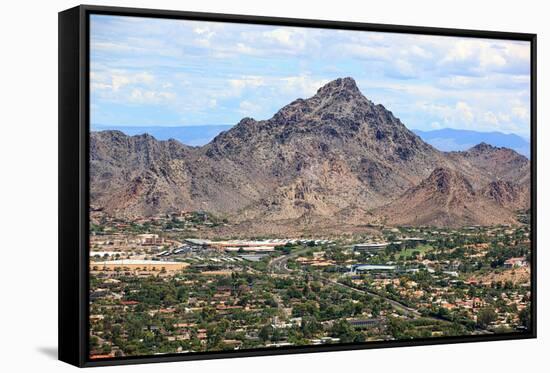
[283,36]
[117,79]
[142,96]
[269,41]
[206,33]
[460,51]
[204,30]
[490,58]
[465,111]
[419,51]
[404,68]
[243,48]
[113,47]
[491,118]
[302,85]
[483,56]
[504,117]
[250,81]
[249,108]
[131,87]
[366,51]
[235,87]
[457,115]
[458,81]
[517,50]
[521,112]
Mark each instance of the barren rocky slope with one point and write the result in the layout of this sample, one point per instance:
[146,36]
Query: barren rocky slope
[447,198]
[334,159]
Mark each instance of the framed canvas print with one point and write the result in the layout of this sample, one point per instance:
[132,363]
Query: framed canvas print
[234,186]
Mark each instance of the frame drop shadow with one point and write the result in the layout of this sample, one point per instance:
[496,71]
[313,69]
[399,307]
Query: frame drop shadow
[48,351]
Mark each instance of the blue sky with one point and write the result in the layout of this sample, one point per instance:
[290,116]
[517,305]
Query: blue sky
[160,72]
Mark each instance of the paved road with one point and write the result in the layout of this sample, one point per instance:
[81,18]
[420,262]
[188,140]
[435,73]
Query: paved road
[395,304]
[279,265]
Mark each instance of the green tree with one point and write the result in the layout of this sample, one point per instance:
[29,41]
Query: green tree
[486,316]
[265,332]
[343,330]
[525,317]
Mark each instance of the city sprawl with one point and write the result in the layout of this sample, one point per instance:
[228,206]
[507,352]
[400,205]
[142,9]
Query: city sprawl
[157,287]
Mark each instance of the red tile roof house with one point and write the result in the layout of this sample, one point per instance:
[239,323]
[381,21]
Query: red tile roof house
[102,356]
[515,262]
[129,302]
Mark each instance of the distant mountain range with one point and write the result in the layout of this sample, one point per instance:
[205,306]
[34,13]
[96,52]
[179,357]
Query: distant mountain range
[327,164]
[446,139]
[188,135]
[449,139]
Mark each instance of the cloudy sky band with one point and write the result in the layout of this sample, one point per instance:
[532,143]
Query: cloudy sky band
[160,72]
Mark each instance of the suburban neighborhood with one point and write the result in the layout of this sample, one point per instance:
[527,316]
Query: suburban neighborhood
[157,285]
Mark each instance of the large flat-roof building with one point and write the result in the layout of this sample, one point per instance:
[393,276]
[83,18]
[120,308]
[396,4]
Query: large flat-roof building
[370,247]
[372,267]
[150,239]
[365,323]
[135,264]
[238,245]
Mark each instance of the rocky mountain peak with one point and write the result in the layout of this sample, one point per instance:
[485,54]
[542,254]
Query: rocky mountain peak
[336,100]
[483,147]
[246,120]
[341,87]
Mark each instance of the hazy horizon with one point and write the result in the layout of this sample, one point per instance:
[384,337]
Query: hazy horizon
[445,139]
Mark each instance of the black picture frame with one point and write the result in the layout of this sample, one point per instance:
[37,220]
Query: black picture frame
[74,118]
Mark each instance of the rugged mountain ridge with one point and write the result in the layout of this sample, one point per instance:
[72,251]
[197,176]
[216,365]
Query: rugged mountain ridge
[498,163]
[335,157]
[447,198]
